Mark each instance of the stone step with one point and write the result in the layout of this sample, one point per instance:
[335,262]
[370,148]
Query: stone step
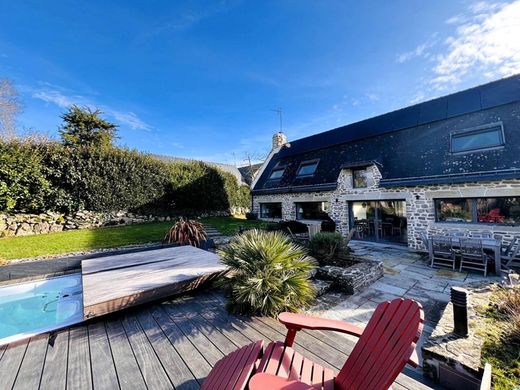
[322,286]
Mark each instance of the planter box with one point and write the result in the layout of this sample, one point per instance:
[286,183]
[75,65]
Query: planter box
[351,274]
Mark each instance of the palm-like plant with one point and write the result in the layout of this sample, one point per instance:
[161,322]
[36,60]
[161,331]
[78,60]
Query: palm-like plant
[269,274]
[185,232]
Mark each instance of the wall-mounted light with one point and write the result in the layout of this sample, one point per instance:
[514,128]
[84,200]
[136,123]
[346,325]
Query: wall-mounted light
[337,200]
[417,197]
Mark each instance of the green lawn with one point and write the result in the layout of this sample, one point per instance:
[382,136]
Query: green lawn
[112,237]
[81,240]
[229,226]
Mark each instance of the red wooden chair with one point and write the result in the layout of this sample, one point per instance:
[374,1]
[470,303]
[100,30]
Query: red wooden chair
[384,347]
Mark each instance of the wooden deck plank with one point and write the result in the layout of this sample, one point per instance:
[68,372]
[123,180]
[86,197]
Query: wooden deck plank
[144,276]
[54,375]
[191,355]
[11,362]
[312,348]
[103,369]
[127,369]
[150,366]
[174,343]
[32,365]
[179,373]
[218,339]
[79,375]
[211,353]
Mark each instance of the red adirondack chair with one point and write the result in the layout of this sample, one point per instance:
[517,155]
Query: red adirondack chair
[384,347]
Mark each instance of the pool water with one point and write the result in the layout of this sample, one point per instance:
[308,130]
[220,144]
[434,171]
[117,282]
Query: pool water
[30,308]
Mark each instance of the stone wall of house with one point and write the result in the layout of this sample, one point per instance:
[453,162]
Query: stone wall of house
[420,210]
[29,224]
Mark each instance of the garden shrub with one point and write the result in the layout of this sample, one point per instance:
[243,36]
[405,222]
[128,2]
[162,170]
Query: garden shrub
[51,176]
[185,232]
[23,185]
[195,185]
[269,274]
[326,246]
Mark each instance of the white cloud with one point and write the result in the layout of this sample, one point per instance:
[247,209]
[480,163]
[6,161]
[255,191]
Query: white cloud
[372,97]
[421,50]
[59,97]
[486,43]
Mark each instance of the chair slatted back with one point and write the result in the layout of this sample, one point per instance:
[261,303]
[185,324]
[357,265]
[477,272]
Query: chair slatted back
[442,245]
[481,234]
[471,247]
[384,348]
[424,239]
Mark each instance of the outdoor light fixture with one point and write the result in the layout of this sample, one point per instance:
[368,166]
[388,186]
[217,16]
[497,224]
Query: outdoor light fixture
[417,197]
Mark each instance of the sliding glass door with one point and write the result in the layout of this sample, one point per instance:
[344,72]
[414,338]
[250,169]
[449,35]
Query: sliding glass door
[383,220]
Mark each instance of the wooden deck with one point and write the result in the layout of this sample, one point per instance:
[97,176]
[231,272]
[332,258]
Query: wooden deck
[166,345]
[116,282]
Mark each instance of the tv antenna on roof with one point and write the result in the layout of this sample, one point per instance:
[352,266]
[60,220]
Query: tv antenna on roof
[279,111]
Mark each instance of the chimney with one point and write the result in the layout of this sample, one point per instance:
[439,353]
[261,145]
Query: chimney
[279,139]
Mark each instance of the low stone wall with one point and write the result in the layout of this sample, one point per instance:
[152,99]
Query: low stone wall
[29,224]
[355,278]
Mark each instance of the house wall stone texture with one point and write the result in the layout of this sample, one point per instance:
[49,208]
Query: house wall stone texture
[420,209]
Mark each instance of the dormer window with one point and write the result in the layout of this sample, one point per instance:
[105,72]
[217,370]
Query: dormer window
[276,173]
[359,178]
[307,168]
[479,138]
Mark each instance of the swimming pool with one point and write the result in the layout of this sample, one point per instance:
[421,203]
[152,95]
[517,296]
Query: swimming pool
[27,309]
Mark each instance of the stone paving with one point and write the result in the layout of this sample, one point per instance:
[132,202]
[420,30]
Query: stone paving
[406,274]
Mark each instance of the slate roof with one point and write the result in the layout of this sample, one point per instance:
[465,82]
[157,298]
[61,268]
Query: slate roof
[411,146]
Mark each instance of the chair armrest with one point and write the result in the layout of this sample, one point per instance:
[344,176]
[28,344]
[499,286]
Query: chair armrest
[302,321]
[414,359]
[264,381]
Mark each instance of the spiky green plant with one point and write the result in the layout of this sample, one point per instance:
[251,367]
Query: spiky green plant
[185,232]
[268,274]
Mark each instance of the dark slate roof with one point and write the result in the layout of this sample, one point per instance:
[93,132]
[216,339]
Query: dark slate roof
[410,145]
[249,172]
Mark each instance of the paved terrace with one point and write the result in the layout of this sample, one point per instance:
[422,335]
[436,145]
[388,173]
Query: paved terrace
[167,345]
[407,274]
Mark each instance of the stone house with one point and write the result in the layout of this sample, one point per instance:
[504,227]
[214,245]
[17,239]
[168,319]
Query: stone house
[448,164]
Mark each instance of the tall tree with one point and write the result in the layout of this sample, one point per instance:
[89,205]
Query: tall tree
[82,126]
[9,108]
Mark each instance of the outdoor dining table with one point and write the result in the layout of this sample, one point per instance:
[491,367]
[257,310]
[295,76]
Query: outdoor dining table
[491,244]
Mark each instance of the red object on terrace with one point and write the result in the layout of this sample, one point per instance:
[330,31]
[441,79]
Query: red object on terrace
[384,347]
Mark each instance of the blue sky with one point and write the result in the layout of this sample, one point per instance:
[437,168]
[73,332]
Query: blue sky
[199,79]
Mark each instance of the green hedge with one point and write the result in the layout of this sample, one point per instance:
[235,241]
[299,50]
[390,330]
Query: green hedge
[55,177]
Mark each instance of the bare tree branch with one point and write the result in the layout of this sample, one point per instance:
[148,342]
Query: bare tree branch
[9,108]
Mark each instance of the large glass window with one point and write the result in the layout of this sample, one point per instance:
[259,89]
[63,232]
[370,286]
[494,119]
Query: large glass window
[307,168]
[312,210]
[454,210]
[501,211]
[270,210]
[477,139]
[359,178]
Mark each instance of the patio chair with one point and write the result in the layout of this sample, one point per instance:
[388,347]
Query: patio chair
[443,253]
[472,255]
[424,240]
[511,254]
[384,347]
[481,235]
